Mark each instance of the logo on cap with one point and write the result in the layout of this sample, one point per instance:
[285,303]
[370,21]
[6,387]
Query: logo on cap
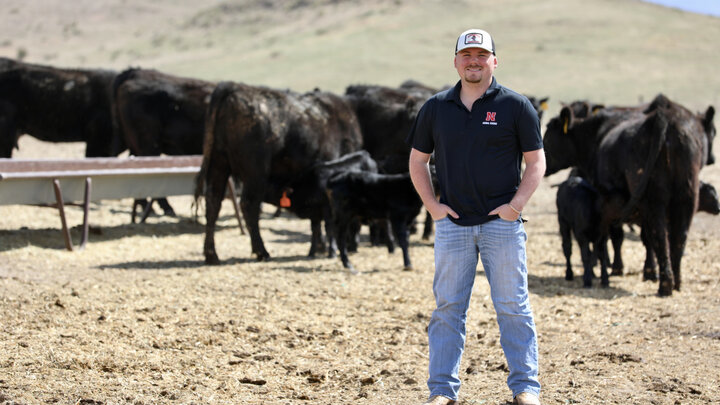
[474,38]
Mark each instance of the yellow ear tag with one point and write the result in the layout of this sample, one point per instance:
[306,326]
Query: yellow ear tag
[544,106]
[284,201]
[565,127]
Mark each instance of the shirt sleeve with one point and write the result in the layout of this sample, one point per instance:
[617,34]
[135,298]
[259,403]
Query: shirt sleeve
[420,136]
[529,128]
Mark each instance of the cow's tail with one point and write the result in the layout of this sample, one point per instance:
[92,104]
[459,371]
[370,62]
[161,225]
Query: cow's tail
[657,125]
[118,135]
[122,77]
[222,90]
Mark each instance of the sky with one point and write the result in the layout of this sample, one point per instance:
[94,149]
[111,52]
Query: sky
[710,7]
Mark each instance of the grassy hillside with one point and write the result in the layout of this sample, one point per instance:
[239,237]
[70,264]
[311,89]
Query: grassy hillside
[611,51]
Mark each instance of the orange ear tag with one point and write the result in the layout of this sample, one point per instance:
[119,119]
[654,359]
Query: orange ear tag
[284,200]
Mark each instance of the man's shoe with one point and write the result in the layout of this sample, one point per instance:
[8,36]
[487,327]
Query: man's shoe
[526,398]
[439,400]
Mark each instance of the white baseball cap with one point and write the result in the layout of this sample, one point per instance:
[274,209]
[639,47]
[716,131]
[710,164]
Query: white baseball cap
[475,38]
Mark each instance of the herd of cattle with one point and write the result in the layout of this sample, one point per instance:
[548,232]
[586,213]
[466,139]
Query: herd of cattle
[341,160]
[641,166]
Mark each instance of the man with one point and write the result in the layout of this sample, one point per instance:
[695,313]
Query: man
[479,132]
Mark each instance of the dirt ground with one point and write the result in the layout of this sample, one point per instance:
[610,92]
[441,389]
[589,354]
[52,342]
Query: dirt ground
[137,318]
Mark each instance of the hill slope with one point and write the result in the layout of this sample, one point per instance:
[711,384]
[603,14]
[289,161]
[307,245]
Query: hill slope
[611,51]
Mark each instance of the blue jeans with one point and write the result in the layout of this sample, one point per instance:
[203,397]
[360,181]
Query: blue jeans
[501,246]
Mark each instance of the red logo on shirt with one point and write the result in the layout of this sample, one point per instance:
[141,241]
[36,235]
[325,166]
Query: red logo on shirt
[490,116]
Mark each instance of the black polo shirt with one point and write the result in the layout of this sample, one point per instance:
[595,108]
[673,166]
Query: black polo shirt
[477,153]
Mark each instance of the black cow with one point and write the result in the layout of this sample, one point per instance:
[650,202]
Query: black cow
[265,137]
[585,108]
[386,115]
[578,214]
[642,163]
[415,85]
[707,202]
[357,196]
[305,196]
[158,113]
[57,105]
[540,105]
[577,203]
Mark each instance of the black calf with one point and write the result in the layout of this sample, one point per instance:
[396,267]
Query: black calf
[356,196]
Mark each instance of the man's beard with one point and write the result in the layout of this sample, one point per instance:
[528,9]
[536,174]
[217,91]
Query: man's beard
[473,78]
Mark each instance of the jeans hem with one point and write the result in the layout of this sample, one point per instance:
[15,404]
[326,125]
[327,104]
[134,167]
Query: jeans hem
[529,391]
[441,394]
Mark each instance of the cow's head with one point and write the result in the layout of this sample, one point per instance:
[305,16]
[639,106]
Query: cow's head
[708,199]
[584,108]
[560,151]
[540,105]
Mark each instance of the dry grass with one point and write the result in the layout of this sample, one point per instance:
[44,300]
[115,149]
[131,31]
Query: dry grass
[613,51]
[137,318]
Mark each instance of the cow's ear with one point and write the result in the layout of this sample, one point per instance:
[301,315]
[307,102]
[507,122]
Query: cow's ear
[566,117]
[709,115]
[707,123]
[544,103]
[596,108]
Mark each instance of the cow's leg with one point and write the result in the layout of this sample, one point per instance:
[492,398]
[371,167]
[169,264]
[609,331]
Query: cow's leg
[145,205]
[612,204]
[649,273]
[678,226]
[165,205]
[616,238]
[603,256]
[657,235]
[8,130]
[353,235]
[250,204]
[565,234]
[600,246]
[428,228]
[376,233]
[402,234]
[316,242]
[341,228]
[588,260]
[387,235]
[380,234]
[217,176]
[330,232]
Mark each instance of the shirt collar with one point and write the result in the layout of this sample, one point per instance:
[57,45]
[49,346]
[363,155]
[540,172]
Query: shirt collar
[453,94]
